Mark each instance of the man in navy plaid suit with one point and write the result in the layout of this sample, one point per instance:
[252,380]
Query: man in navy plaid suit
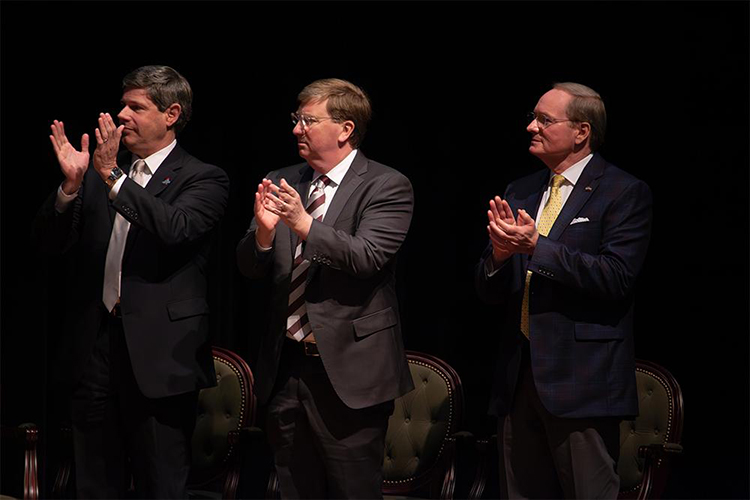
[566,246]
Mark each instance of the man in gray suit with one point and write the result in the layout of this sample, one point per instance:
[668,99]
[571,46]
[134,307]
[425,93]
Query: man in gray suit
[327,231]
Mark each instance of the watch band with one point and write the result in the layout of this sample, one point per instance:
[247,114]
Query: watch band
[114,175]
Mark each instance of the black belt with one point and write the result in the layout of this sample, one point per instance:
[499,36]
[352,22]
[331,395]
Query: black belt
[305,348]
[116,311]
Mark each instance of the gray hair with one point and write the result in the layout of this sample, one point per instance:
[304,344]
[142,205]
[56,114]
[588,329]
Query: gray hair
[586,106]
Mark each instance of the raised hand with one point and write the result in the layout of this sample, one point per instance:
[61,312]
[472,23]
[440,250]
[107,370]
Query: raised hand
[107,144]
[285,202]
[264,218]
[73,163]
[499,211]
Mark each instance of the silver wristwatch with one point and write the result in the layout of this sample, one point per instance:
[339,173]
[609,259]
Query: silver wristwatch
[115,174]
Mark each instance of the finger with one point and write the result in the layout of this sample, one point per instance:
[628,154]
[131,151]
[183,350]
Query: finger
[99,139]
[103,128]
[493,209]
[524,219]
[505,227]
[499,231]
[84,143]
[118,133]
[57,133]
[55,147]
[505,210]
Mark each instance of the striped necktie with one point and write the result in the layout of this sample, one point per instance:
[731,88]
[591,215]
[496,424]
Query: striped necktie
[546,220]
[298,324]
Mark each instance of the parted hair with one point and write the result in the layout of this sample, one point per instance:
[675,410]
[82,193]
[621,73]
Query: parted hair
[165,86]
[586,106]
[345,101]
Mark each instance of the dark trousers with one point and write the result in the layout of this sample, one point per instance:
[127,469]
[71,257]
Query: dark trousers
[322,448]
[546,456]
[118,432]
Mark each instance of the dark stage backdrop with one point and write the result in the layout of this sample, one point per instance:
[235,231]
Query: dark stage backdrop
[450,84]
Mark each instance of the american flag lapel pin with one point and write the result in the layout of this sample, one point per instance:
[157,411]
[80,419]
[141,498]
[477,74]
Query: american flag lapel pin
[167,181]
[588,188]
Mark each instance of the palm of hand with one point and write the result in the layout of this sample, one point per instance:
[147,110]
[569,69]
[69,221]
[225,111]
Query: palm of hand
[73,162]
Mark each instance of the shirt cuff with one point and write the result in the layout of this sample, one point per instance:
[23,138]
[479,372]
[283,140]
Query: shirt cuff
[63,201]
[262,249]
[116,188]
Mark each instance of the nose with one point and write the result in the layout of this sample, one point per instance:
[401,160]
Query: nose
[298,129]
[533,127]
[123,115]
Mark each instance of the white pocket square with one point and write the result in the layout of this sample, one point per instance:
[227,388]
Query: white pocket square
[578,220]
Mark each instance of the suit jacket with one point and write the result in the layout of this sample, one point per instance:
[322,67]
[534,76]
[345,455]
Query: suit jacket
[173,222]
[581,295]
[350,292]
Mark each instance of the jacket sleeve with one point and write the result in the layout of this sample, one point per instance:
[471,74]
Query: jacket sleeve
[185,219]
[382,224]
[54,233]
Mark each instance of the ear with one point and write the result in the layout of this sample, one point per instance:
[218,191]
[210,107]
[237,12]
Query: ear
[346,131]
[584,131]
[173,113]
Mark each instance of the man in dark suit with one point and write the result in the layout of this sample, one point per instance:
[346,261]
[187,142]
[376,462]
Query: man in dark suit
[327,232]
[566,246]
[137,229]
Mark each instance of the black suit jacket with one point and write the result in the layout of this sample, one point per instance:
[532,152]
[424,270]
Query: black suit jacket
[163,285]
[350,293]
[581,295]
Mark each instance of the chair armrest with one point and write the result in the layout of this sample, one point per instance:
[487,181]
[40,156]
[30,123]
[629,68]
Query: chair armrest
[28,434]
[657,451]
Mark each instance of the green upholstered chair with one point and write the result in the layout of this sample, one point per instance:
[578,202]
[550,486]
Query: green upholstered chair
[21,442]
[648,442]
[420,445]
[225,413]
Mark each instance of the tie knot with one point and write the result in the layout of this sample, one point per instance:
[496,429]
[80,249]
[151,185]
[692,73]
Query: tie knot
[558,180]
[140,167]
[323,180]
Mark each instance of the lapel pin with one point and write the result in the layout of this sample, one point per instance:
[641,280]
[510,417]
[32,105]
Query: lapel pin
[588,188]
[168,180]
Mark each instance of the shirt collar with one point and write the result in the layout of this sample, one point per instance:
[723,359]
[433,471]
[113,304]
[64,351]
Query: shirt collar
[337,173]
[573,172]
[155,160]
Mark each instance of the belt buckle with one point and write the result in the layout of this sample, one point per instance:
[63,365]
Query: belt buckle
[311,349]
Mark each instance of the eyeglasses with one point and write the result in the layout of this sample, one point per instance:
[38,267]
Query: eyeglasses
[543,121]
[308,120]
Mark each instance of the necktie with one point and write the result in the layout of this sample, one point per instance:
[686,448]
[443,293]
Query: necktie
[546,220]
[298,324]
[112,271]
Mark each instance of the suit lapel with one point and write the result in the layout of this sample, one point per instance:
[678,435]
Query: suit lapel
[166,172]
[584,188]
[349,184]
[161,179]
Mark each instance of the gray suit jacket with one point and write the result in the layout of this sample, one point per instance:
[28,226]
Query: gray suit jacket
[350,294]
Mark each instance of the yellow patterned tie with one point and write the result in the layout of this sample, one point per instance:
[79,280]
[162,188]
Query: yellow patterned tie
[544,224]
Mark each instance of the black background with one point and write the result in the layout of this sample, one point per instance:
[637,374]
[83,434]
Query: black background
[450,84]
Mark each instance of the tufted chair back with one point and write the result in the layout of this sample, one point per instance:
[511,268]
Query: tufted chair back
[647,442]
[419,445]
[222,412]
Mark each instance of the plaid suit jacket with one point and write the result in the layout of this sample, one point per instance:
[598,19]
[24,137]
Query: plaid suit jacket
[581,295]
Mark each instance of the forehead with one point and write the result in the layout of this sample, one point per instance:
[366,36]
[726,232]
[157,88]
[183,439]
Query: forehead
[139,96]
[553,103]
[315,108]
